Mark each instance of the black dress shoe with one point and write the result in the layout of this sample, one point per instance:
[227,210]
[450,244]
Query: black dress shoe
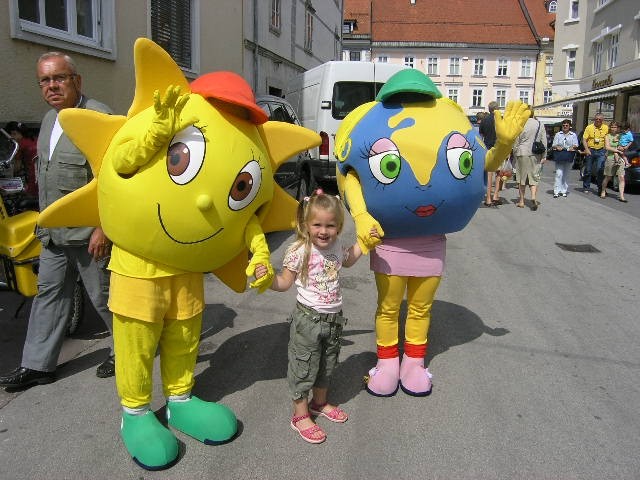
[23,377]
[107,368]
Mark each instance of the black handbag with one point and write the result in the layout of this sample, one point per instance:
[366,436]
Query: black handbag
[538,148]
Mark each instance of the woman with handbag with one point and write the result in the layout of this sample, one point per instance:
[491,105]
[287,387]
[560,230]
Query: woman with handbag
[529,150]
[565,145]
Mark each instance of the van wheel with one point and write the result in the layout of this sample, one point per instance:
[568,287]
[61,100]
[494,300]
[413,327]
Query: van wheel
[304,187]
[77,307]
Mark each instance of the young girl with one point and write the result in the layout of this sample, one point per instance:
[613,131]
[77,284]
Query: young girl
[313,262]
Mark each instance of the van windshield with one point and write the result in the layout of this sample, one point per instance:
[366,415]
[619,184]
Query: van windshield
[349,95]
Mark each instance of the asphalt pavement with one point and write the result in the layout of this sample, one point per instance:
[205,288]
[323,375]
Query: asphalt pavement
[533,346]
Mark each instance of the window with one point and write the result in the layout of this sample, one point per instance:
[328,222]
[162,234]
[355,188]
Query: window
[452,93]
[432,66]
[573,10]
[503,67]
[476,98]
[409,61]
[383,59]
[597,57]
[601,3]
[454,66]
[308,27]
[274,22]
[501,98]
[354,56]
[548,66]
[525,67]
[85,26]
[478,66]
[348,26]
[571,63]
[523,95]
[172,29]
[613,49]
[547,96]
[553,6]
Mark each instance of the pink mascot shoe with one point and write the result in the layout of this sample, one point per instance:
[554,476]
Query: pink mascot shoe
[415,380]
[384,377]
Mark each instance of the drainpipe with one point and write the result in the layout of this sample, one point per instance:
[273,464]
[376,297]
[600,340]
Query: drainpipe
[255,48]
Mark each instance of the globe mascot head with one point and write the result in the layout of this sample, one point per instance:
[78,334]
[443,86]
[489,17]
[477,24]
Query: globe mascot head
[418,159]
[188,202]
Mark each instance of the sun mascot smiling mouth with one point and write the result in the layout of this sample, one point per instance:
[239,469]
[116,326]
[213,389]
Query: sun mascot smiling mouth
[183,185]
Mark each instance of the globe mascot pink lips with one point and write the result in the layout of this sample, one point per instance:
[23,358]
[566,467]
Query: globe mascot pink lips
[182,185]
[411,166]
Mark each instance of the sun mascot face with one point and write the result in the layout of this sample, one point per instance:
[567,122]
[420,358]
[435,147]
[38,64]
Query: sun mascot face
[419,162]
[188,205]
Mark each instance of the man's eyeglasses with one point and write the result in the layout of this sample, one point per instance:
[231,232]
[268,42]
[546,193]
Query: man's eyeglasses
[57,79]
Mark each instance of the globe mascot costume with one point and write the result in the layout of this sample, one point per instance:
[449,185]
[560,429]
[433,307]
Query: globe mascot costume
[183,185]
[410,165]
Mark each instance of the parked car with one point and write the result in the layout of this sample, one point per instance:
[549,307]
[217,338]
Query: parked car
[288,175]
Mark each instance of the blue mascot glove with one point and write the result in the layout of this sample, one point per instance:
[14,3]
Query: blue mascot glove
[257,243]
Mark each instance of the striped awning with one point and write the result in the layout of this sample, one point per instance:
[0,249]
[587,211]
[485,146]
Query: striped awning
[604,92]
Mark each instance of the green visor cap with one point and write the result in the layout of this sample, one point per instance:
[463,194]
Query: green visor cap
[409,80]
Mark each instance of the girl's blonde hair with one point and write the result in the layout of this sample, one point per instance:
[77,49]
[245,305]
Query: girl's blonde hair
[306,208]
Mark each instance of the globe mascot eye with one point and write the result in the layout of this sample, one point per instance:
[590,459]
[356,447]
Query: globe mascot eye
[185,155]
[245,186]
[460,162]
[385,166]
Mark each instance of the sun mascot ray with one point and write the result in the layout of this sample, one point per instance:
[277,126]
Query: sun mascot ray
[411,166]
[182,185]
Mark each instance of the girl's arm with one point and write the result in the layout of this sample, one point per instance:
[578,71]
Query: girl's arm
[355,252]
[281,281]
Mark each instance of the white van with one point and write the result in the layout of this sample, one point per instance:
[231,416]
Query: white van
[323,96]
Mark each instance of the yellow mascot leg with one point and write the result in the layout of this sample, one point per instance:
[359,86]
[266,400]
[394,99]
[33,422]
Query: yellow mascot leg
[149,443]
[136,342]
[415,379]
[383,378]
[178,352]
[209,422]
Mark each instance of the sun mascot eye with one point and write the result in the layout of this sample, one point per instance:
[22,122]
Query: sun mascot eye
[185,155]
[245,186]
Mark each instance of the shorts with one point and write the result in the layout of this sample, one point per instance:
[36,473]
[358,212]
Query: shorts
[314,347]
[177,297]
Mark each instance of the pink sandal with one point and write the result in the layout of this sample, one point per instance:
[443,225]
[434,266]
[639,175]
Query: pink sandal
[308,433]
[336,415]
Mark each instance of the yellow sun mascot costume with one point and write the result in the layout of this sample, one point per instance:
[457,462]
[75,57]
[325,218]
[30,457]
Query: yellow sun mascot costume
[410,165]
[183,185]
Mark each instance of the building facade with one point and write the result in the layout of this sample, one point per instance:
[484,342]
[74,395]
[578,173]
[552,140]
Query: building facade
[265,41]
[285,37]
[597,68]
[474,51]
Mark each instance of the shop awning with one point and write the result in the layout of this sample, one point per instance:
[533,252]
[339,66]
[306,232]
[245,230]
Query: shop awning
[604,92]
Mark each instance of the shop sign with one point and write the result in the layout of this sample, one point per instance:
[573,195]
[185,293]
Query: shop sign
[605,82]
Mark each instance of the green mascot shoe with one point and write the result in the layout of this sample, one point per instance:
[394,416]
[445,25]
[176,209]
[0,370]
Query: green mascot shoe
[150,444]
[209,422]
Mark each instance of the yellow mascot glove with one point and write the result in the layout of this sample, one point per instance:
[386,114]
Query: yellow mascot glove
[365,223]
[257,243]
[165,123]
[507,129]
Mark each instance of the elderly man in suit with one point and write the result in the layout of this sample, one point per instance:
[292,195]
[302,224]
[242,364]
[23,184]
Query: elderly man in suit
[66,252]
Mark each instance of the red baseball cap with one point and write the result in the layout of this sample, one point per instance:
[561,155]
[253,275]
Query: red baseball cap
[232,88]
